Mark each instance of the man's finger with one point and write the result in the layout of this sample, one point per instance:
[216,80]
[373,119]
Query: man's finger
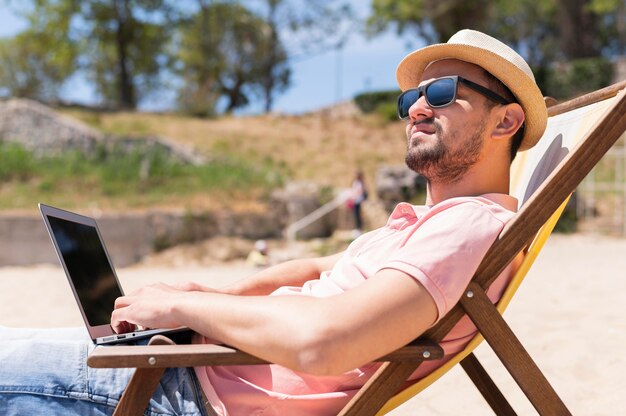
[122,301]
[119,324]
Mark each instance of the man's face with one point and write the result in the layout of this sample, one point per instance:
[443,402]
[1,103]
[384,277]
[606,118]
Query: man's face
[444,143]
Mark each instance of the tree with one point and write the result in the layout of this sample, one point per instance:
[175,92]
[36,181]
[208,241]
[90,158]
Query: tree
[298,29]
[124,43]
[222,52]
[577,23]
[119,43]
[433,20]
[273,71]
[545,32]
[220,49]
[531,27]
[29,69]
[613,15]
[196,61]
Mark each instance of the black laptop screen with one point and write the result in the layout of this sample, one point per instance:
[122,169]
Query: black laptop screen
[89,268]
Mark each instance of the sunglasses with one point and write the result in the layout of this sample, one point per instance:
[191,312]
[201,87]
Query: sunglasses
[441,93]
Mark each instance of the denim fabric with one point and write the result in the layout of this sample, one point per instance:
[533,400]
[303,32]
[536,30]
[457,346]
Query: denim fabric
[44,372]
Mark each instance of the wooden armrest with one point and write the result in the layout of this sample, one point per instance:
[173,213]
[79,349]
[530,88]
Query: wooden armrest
[192,355]
[154,356]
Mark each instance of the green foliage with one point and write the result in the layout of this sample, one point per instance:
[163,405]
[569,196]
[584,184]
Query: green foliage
[543,31]
[118,44]
[17,163]
[404,14]
[369,101]
[116,172]
[210,50]
[383,103]
[388,111]
[123,43]
[223,52]
[303,28]
[433,21]
[577,77]
[29,69]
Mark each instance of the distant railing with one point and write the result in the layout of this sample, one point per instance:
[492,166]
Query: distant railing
[603,194]
[292,230]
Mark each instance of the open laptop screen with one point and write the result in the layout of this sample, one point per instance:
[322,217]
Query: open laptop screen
[89,268]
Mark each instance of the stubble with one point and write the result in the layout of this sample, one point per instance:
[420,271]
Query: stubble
[442,163]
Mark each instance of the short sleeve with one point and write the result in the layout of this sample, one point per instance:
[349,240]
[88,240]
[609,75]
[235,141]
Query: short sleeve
[446,249]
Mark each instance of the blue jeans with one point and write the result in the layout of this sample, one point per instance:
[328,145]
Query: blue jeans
[44,372]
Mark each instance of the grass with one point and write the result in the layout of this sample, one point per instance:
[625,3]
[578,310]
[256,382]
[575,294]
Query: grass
[309,147]
[139,178]
[251,156]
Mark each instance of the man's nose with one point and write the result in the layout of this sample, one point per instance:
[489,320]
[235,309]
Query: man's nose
[420,109]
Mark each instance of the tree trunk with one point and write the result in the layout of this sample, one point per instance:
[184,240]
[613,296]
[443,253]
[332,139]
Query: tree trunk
[578,29]
[269,82]
[235,97]
[125,81]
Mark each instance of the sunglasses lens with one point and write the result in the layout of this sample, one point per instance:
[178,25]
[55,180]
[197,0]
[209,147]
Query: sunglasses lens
[441,92]
[405,101]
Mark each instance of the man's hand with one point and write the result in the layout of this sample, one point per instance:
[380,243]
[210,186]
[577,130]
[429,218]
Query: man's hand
[152,306]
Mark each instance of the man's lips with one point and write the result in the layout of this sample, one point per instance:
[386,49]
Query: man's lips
[425,128]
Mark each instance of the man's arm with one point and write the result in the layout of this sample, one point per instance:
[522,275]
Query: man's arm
[264,282]
[314,335]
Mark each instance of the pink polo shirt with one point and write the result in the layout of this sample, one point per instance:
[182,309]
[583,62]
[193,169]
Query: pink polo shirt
[440,246]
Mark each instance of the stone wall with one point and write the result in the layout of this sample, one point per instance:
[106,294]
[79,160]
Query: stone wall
[396,184]
[44,131]
[131,236]
[40,129]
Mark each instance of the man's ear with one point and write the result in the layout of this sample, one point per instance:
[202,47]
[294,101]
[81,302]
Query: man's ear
[509,119]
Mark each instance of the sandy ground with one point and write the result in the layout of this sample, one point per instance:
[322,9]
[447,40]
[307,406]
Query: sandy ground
[569,313]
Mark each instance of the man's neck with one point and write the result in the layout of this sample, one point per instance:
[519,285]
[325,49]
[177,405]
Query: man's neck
[467,186]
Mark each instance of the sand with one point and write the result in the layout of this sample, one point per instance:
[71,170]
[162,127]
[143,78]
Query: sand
[569,313]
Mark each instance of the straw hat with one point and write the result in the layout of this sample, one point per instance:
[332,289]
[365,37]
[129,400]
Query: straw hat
[496,58]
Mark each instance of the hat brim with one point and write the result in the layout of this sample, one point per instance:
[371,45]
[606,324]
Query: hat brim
[411,68]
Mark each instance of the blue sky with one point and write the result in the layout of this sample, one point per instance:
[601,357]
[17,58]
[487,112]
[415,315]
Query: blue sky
[318,81]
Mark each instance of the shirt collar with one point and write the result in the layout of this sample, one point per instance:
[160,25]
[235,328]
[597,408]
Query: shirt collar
[405,213]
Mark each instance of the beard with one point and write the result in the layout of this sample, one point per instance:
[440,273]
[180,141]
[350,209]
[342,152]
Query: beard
[441,164]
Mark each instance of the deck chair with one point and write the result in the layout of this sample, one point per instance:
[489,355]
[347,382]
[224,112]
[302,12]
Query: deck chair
[579,133]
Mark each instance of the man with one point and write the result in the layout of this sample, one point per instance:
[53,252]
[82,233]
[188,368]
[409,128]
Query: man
[470,104]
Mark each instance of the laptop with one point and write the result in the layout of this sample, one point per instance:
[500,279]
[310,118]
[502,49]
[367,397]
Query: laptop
[89,269]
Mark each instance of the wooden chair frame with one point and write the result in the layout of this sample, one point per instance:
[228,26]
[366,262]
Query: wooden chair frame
[151,360]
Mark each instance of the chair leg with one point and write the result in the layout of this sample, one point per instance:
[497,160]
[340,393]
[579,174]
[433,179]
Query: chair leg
[490,392]
[141,386]
[139,391]
[512,354]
